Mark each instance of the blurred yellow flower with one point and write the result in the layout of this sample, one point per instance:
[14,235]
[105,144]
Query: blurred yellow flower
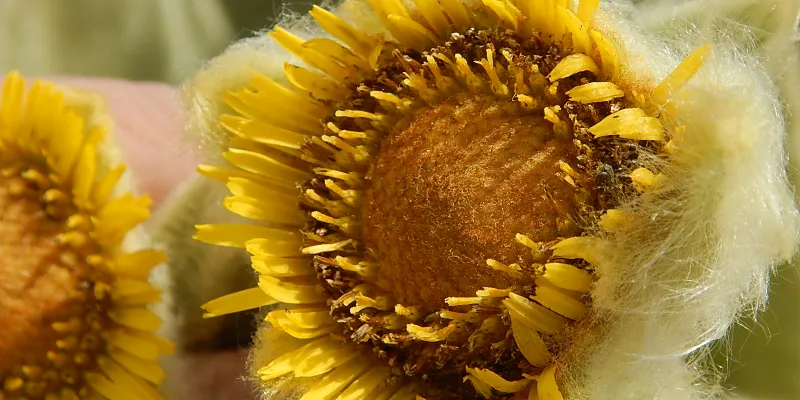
[73,304]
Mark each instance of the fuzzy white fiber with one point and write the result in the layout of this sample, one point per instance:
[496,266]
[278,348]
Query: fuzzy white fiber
[699,252]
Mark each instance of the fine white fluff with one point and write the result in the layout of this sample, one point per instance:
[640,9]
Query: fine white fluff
[699,252]
[204,93]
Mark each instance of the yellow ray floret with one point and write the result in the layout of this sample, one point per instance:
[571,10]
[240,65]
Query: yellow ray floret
[576,28]
[546,385]
[533,315]
[607,52]
[678,78]
[560,302]
[588,248]
[429,334]
[595,92]
[571,65]
[335,382]
[644,179]
[497,382]
[529,341]
[568,276]
[630,123]
[586,9]
[239,301]
[612,220]
[290,293]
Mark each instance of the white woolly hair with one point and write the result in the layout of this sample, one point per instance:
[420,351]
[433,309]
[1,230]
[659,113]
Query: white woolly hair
[696,254]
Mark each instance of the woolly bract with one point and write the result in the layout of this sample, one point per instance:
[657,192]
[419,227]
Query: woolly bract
[693,254]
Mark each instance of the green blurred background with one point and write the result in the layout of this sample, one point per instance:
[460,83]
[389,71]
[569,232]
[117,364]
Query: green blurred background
[153,40]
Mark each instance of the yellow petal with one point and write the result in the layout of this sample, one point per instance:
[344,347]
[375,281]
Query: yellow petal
[136,318]
[575,27]
[247,299]
[560,302]
[410,32]
[262,132]
[285,363]
[644,179]
[279,320]
[332,384]
[496,381]
[309,318]
[291,293]
[457,12]
[137,264]
[238,235]
[84,175]
[147,369]
[608,54]
[429,334]
[595,92]
[323,357]
[546,385]
[529,342]
[11,102]
[343,31]
[105,187]
[568,276]
[434,15]
[265,166]
[125,381]
[533,315]
[588,248]
[267,209]
[366,384]
[283,267]
[612,220]
[680,76]
[571,65]
[294,45]
[586,9]
[629,123]
[316,85]
[135,345]
[108,389]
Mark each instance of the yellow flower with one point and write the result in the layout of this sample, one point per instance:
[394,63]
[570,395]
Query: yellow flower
[488,194]
[74,303]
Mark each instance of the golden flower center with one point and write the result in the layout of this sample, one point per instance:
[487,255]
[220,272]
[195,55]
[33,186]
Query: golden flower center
[49,311]
[451,189]
[32,289]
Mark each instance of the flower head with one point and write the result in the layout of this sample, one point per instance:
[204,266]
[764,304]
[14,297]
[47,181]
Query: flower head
[74,303]
[493,199]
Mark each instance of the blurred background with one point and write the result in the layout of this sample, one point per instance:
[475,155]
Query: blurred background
[141,40]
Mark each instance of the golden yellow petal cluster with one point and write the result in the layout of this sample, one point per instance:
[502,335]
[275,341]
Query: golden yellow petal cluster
[73,304]
[451,180]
